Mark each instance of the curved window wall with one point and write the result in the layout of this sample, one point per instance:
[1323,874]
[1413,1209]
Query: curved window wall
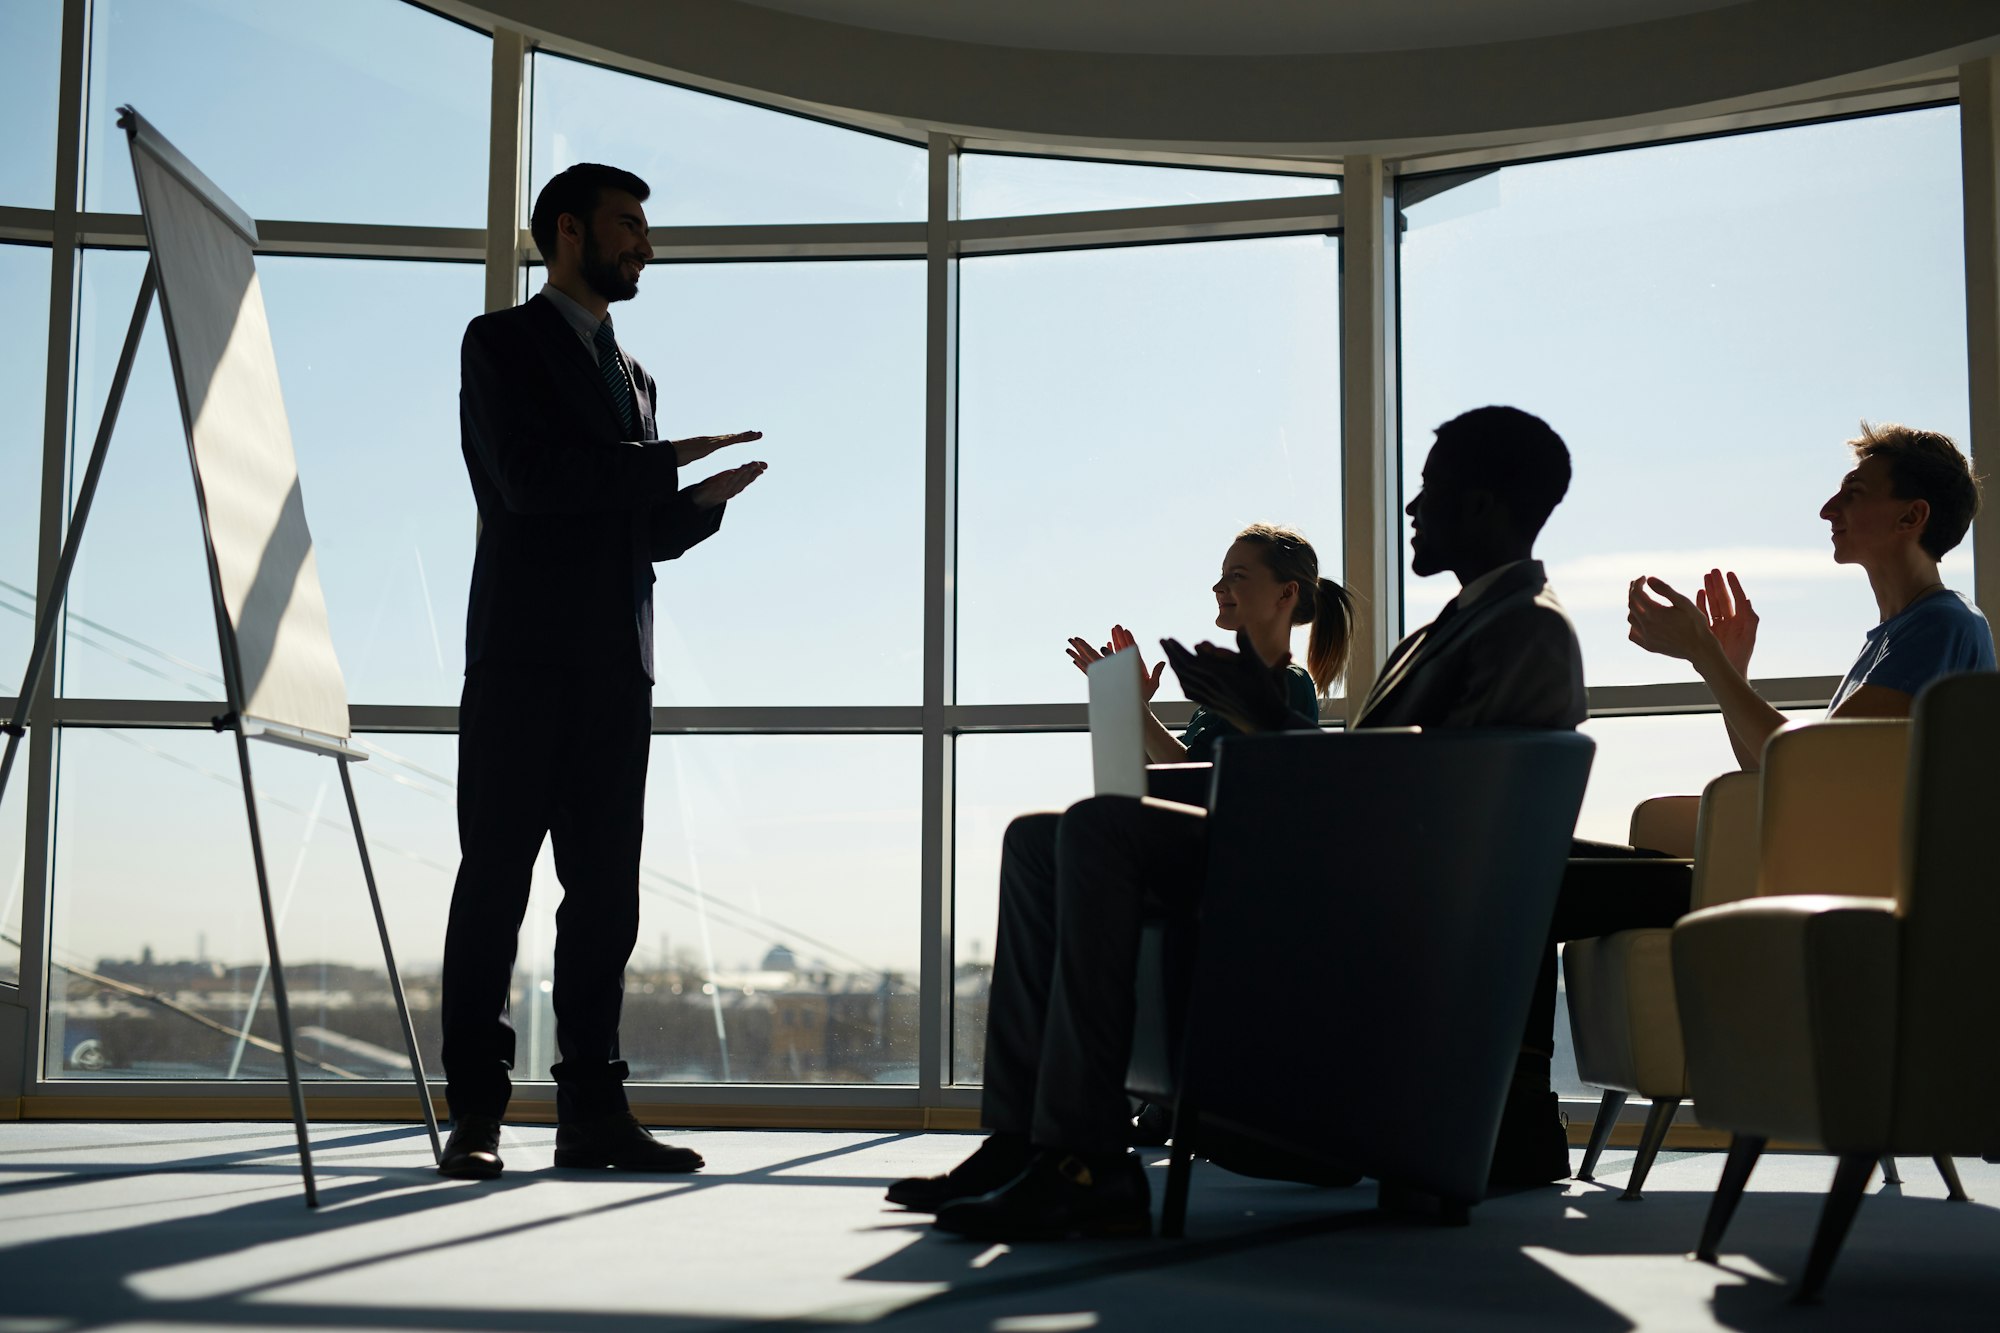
[1048,413]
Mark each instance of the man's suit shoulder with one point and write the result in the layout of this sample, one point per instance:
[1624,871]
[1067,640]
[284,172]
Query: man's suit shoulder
[511,322]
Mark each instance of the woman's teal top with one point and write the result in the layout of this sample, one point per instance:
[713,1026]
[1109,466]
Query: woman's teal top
[1205,728]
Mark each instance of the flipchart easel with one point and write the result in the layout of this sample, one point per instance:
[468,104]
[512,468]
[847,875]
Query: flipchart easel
[280,675]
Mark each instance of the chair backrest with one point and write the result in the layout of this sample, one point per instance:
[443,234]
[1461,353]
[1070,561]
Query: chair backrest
[1666,824]
[1948,1019]
[1376,910]
[1725,856]
[1830,812]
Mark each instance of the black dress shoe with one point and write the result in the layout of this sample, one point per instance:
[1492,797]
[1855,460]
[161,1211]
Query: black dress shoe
[1533,1146]
[473,1150]
[618,1142]
[1062,1195]
[993,1164]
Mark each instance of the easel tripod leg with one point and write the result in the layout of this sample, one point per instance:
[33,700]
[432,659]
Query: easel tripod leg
[285,1039]
[389,961]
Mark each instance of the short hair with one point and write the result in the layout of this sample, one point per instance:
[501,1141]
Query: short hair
[1512,455]
[1925,465]
[576,190]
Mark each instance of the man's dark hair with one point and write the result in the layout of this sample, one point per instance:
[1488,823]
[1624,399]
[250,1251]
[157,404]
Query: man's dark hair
[1924,465]
[576,190]
[1513,456]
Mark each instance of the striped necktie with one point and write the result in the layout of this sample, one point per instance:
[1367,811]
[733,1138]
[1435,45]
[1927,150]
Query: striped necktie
[612,367]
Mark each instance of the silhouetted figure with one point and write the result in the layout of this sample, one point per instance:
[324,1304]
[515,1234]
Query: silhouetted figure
[1909,500]
[577,498]
[1076,890]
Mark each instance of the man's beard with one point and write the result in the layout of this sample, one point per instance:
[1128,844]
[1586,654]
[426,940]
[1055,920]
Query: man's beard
[602,275]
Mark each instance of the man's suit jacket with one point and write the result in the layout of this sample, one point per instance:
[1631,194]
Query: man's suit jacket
[572,513]
[1509,660]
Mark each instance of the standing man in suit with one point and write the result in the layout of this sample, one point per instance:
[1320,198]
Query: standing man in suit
[1076,889]
[577,496]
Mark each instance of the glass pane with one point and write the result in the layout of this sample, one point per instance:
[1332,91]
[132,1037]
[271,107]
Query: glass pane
[139,621]
[1704,323]
[30,71]
[13,866]
[998,185]
[996,778]
[375,427]
[713,160]
[159,967]
[367,111]
[813,590]
[779,936]
[1122,414]
[24,340]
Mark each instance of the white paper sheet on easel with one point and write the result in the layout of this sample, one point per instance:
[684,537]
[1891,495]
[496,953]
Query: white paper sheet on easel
[246,476]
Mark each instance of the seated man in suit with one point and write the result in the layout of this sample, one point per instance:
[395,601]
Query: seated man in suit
[1076,888]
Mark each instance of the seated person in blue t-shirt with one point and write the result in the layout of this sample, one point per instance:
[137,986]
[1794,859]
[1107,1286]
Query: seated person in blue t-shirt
[1908,501]
[1270,582]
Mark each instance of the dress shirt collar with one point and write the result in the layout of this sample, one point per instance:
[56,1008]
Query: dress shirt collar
[579,319]
[1479,587]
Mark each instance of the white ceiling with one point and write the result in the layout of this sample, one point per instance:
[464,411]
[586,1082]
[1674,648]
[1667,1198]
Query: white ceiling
[1239,27]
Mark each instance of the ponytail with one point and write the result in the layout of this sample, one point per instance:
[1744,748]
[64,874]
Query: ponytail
[1332,632]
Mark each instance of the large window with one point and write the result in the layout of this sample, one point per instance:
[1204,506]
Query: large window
[1704,324]
[984,436]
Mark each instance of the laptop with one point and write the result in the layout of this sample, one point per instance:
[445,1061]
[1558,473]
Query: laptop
[1118,725]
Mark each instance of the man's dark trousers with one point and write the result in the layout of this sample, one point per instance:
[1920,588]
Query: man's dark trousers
[1075,891]
[556,751]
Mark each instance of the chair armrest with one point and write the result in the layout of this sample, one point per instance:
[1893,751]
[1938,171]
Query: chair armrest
[1725,857]
[1186,783]
[1788,1012]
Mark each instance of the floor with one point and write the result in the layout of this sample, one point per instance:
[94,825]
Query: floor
[154,1227]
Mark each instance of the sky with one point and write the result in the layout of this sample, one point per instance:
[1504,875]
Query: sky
[1704,323]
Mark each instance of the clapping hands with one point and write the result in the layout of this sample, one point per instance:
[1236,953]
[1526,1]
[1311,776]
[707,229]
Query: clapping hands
[1719,619]
[1081,653]
[1239,685]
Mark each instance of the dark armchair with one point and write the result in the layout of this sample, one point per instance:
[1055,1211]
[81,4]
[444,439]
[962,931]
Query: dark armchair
[1374,915]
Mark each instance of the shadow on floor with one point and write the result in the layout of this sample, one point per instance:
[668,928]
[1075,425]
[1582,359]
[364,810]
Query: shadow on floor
[1258,1256]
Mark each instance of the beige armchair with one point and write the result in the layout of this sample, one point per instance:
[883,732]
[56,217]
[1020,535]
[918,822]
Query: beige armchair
[1622,1019]
[1838,1017]
[1755,833]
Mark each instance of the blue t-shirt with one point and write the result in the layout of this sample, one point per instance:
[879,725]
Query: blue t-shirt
[1934,636]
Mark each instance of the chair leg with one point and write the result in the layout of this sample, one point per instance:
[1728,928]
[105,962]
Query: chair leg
[1850,1181]
[1953,1190]
[1180,1169]
[1744,1150]
[1659,1120]
[1890,1175]
[1600,1132]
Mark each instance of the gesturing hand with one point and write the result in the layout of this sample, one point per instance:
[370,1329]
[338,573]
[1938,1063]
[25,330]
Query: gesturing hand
[1730,618]
[1673,628]
[1081,653]
[1239,685]
[697,447]
[724,485]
